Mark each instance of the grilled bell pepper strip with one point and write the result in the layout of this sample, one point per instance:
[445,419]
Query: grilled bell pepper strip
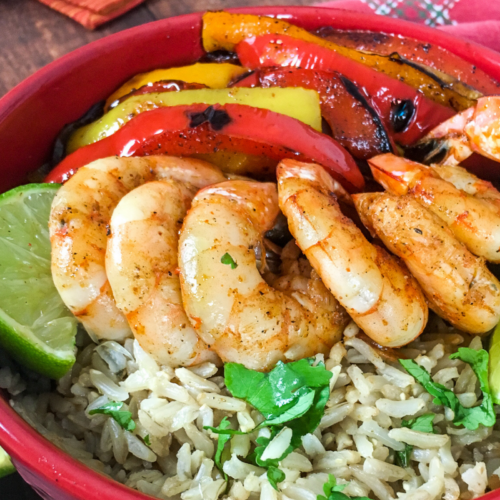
[354,123]
[298,103]
[213,75]
[198,128]
[230,161]
[251,80]
[389,97]
[223,30]
[157,87]
[416,51]
[234,162]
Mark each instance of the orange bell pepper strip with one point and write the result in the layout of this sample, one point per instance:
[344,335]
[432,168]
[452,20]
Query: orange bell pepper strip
[406,113]
[429,55]
[223,30]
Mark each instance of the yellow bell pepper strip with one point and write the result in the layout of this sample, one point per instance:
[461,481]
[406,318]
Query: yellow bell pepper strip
[200,129]
[161,86]
[213,75]
[298,103]
[223,30]
[234,162]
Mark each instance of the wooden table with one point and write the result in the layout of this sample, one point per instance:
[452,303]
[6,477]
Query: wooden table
[32,35]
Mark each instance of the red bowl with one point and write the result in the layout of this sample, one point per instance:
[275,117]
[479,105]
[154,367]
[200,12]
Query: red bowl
[32,114]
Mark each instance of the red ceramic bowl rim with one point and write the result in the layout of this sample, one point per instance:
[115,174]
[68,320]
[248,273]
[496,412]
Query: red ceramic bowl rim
[29,449]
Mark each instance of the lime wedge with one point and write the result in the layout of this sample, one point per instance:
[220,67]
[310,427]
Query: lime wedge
[36,328]
[6,466]
[494,366]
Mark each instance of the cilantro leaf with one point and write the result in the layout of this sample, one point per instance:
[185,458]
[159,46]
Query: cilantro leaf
[275,392]
[124,418]
[275,476]
[333,491]
[468,417]
[262,443]
[402,458]
[308,423]
[223,439]
[294,394]
[422,424]
[147,440]
[227,432]
[229,261]
[303,404]
[484,413]
[331,485]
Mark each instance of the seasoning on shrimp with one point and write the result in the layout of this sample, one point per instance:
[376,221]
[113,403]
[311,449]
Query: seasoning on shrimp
[234,310]
[141,263]
[473,219]
[377,291]
[79,222]
[458,285]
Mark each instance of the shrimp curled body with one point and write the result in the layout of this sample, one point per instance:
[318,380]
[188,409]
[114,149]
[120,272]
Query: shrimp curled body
[234,310]
[79,224]
[458,285]
[141,264]
[472,214]
[376,290]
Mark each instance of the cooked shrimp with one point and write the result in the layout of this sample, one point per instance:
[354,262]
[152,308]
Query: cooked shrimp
[377,291]
[464,180]
[457,284]
[476,129]
[233,309]
[474,220]
[78,225]
[141,265]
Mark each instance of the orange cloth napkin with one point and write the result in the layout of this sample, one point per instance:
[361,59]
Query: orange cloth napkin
[92,13]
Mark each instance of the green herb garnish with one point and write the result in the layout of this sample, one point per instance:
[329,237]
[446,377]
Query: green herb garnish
[294,394]
[147,440]
[333,491]
[223,439]
[113,409]
[422,424]
[468,417]
[275,476]
[229,261]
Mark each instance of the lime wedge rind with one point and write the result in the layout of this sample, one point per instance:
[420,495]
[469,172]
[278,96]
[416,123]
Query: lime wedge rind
[6,466]
[31,352]
[36,328]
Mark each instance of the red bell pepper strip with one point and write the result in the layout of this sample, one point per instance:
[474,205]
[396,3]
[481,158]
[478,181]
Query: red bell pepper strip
[198,128]
[161,86]
[385,94]
[354,123]
[249,80]
[428,54]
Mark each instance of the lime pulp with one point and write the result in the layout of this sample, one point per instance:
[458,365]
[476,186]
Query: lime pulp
[36,328]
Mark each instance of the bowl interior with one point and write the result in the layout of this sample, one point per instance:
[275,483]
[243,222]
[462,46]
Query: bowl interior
[32,114]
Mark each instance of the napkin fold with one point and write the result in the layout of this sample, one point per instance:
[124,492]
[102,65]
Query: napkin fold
[92,13]
[474,20]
